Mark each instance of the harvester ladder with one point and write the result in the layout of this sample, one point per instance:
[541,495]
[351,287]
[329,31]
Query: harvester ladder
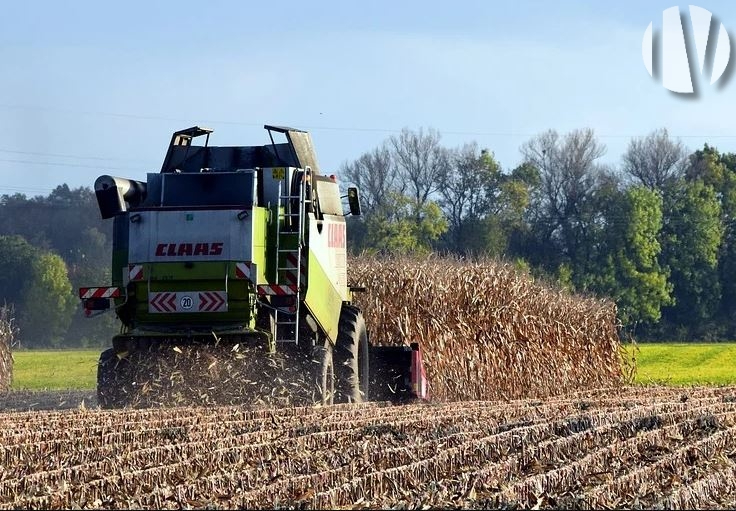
[290,226]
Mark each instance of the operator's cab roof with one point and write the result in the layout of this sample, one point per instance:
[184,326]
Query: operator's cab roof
[183,156]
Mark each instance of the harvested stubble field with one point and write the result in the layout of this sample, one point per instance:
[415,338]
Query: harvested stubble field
[491,336]
[624,448]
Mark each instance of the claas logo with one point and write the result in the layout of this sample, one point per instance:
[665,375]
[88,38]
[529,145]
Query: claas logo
[336,235]
[188,249]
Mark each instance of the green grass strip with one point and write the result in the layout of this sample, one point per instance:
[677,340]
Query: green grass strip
[55,370]
[686,363]
[661,363]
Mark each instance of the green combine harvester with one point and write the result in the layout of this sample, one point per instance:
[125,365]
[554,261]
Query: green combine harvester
[229,276]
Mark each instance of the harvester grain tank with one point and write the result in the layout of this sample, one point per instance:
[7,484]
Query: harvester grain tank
[243,250]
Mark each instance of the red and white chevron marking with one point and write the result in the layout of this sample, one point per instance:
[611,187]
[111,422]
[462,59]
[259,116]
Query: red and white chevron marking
[135,272]
[162,302]
[278,290]
[243,270]
[212,301]
[99,292]
[290,274]
[187,302]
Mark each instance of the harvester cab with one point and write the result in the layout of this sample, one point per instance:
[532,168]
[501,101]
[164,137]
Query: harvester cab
[236,257]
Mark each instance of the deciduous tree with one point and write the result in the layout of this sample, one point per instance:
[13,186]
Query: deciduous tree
[655,161]
[421,161]
[629,269]
[48,302]
[692,236]
[563,209]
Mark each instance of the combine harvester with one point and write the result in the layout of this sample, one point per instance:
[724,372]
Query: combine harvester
[236,257]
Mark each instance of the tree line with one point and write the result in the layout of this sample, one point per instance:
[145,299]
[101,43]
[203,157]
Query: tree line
[49,247]
[655,232]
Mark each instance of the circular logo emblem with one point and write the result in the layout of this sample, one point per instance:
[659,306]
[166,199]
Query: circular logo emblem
[669,52]
[186,302]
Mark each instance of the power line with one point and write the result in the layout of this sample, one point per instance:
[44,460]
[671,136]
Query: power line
[339,128]
[77,112]
[26,189]
[72,156]
[16,188]
[37,205]
[65,164]
[123,115]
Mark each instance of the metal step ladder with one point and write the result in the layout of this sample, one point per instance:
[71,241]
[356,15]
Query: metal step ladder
[290,232]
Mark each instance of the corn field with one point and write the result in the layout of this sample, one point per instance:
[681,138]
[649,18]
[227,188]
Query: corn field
[529,409]
[624,448]
[487,330]
[7,337]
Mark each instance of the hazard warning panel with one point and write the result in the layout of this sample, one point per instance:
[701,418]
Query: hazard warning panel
[187,301]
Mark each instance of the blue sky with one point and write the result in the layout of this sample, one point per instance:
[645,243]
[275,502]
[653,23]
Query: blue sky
[90,88]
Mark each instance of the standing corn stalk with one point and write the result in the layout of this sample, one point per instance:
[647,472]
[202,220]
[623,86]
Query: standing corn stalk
[488,331]
[7,336]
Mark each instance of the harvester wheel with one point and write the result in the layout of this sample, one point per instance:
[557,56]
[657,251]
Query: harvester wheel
[108,391]
[351,357]
[325,373]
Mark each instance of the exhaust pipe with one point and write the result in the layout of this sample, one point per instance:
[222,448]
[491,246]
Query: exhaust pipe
[115,194]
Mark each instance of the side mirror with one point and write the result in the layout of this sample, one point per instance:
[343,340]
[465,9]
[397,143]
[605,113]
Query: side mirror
[354,201]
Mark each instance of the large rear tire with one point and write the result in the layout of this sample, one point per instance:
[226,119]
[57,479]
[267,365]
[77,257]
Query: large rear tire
[325,373]
[351,357]
[108,390]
